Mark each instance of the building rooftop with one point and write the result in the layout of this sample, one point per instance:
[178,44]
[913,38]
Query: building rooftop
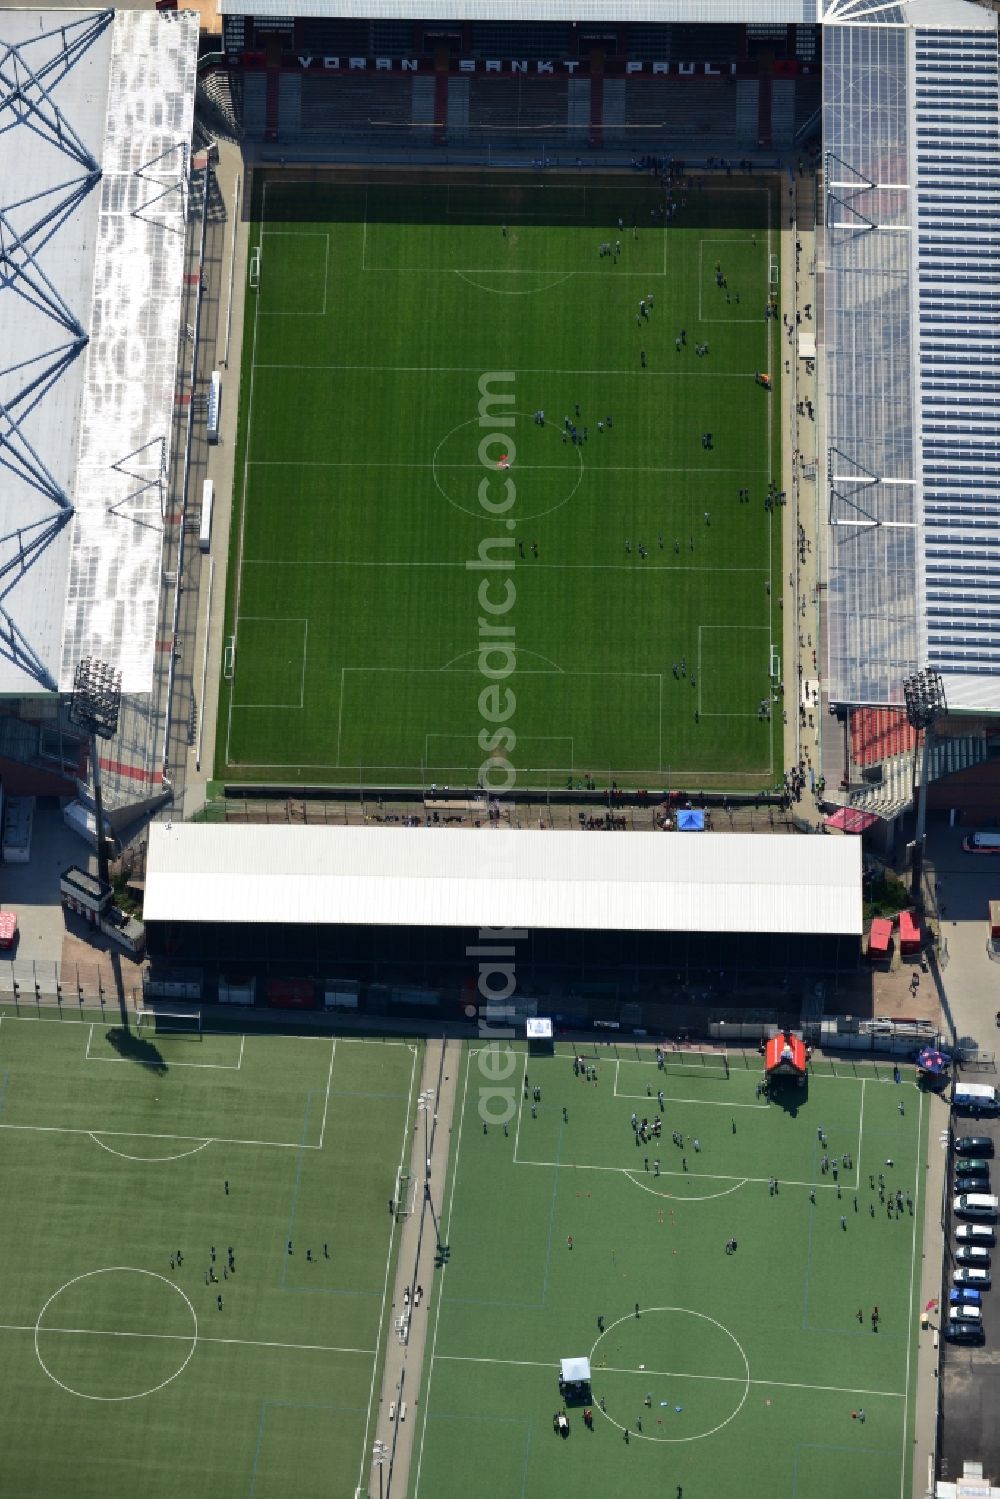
[436,877]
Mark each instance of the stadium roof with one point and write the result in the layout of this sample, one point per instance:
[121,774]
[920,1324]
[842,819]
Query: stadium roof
[911,131]
[582,12]
[96,113]
[435,877]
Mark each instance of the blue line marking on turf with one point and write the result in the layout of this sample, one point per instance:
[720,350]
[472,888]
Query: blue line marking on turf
[552,1214]
[290,1234]
[833,1447]
[266,1405]
[295,1194]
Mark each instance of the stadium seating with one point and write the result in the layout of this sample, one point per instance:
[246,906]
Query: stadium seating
[501,103]
[877,734]
[684,109]
[355,101]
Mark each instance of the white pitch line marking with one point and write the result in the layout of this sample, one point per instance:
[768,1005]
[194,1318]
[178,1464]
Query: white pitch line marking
[770,1384]
[180,1337]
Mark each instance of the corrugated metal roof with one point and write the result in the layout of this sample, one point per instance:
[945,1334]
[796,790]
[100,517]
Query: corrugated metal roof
[650,12]
[733,882]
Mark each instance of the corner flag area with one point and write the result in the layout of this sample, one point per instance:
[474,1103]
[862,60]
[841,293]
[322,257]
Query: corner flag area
[743,1283]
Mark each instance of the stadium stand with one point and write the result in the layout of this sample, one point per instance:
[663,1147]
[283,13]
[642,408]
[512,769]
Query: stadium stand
[879,733]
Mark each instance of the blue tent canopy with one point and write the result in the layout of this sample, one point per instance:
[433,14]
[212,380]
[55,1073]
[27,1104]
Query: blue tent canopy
[690,820]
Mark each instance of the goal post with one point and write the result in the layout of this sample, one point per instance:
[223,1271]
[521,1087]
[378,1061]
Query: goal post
[170,1022]
[692,1062]
[255,268]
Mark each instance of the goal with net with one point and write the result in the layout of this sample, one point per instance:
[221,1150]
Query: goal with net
[170,1022]
[255,269]
[689,1061]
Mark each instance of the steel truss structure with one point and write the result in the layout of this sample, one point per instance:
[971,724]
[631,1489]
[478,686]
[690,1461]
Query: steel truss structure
[96,111]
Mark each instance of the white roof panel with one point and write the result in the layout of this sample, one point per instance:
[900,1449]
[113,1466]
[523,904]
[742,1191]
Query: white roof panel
[96,112]
[649,12]
[127,408]
[726,882]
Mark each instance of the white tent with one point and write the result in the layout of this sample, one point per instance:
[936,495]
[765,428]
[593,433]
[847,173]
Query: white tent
[575,1370]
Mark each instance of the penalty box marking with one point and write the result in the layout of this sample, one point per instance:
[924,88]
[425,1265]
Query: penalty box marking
[733,239]
[741,629]
[296,234]
[127,1061]
[654,676]
[265,619]
[134,1134]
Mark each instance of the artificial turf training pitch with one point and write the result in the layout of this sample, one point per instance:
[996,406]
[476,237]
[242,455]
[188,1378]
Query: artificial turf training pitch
[754,1372]
[637,584]
[120,1373]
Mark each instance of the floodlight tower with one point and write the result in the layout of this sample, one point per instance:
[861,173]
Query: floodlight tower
[923,694]
[94,707]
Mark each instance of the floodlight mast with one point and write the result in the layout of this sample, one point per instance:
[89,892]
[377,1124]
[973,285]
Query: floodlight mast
[923,694]
[95,707]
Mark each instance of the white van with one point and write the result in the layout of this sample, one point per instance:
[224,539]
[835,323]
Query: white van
[976,1205]
[976,1233]
[976,1098]
[982,843]
[964,1314]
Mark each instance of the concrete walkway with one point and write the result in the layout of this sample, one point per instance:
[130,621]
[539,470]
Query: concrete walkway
[399,1403]
[801,538]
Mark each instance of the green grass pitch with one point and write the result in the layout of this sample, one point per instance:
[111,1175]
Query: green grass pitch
[745,1370]
[119,1374]
[382,303]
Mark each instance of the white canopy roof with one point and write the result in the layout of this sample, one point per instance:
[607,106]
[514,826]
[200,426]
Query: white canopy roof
[575,1370]
[456,877]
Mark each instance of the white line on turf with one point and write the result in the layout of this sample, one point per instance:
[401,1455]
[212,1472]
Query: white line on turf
[770,1384]
[621,468]
[683,1175]
[149,1160]
[913,1269]
[301,234]
[180,1337]
[326,1100]
[246,485]
[621,567]
[133,1134]
[459,369]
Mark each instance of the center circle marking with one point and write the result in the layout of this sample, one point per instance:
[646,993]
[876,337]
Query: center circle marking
[478,512]
[695,1436]
[114,1270]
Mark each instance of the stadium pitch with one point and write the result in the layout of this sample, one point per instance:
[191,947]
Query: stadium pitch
[724,1288]
[633,560]
[198,1258]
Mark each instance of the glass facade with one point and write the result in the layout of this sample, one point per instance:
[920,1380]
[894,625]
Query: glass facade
[912,349]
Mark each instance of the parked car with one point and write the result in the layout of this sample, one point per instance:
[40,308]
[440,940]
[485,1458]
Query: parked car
[973,1254]
[973,1181]
[983,1205]
[964,1332]
[976,1233]
[965,1314]
[974,1145]
[972,1165]
[965,1296]
[966,1275]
